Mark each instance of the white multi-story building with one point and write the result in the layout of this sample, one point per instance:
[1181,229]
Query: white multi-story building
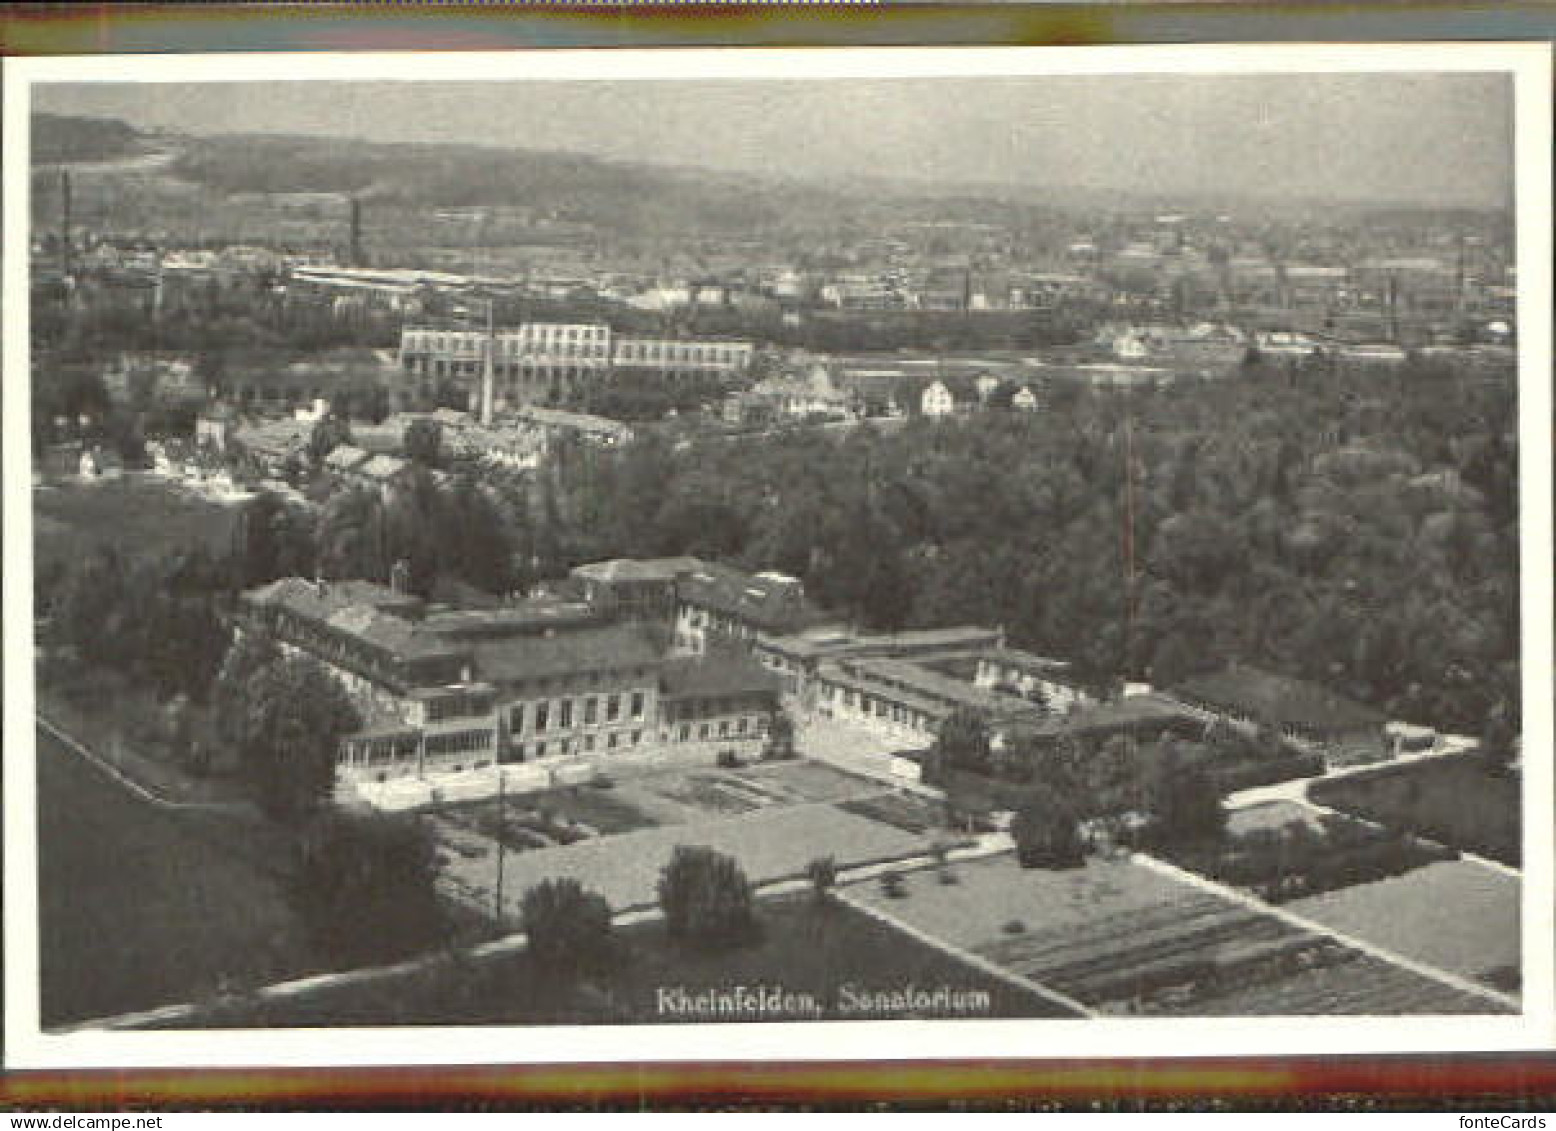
[536,359]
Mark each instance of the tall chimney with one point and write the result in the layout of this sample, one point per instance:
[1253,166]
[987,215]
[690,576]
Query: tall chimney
[355,251]
[64,241]
[487,374]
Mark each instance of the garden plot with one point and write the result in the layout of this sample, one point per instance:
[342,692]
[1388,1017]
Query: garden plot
[1283,851]
[1458,916]
[1121,938]
[907,811]
[769,844]
[703,793]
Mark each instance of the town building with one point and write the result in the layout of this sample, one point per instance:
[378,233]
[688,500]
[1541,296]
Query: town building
[635,587]
[712,702]
[275,445]
[454,691]
[346,461]
[547,424]
[1021,673]
[720,605]
[937,400]
[537,360]
[797,658]
[907,702]
[1311,716]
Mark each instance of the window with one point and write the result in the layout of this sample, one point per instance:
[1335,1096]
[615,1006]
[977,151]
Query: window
[740,726]
[540,750]
[702,730]
[567,715]
[610,743]
[686,731]
[542,717]
[588,742]
[724,728]
[590,711]
[612,708]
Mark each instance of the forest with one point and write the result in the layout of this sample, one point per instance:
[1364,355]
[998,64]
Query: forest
[1358,529]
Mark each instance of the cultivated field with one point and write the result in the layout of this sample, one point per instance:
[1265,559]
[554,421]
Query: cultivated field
[1121,938]
[1450,799]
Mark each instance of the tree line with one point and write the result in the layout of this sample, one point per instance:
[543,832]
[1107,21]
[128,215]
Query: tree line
[1355,529]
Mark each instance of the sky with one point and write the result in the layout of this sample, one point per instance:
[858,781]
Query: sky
[1434,139]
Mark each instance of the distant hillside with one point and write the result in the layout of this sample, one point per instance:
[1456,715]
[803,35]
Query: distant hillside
[574,187]
[57,138]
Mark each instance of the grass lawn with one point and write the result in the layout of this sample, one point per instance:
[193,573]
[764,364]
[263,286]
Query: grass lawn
[137,514]
[140,906]
[1449,799]
[110,714]
[807,952]
[1458,916]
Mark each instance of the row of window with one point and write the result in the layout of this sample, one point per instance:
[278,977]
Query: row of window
[742,727]
[576,345]
[695,709]
[461,743]
[878,708]
[591,710]
[588,744]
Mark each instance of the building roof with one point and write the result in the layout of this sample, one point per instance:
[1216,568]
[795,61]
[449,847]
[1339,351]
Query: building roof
[915,678]
[637,569]
[277,437]
[1279,700]
[716,676]
[531,616]
[383,467]
[1124,714]
[321,599]
[593,648]
[766,601]
[1028,662]
[345,457]
[576,421]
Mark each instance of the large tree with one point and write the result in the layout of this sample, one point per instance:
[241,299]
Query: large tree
[1047,833]
[706,897]
[365,883]
[292,717]
[963,744]
[568,928]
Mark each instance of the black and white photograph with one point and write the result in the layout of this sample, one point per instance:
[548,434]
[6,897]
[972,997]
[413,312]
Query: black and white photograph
[598,554]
